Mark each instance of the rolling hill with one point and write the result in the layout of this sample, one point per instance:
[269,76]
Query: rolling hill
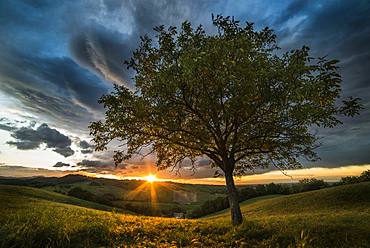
[333,217]
[131,195]
[18,195]
[330,200]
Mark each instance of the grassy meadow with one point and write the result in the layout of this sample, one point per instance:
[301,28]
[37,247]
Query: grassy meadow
[332,217]
[128,195]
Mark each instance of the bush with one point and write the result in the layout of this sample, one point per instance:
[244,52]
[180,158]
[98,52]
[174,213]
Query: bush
[349,180]
[364,177]
[309,184]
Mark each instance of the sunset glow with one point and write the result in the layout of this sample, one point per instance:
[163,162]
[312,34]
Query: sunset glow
[150,178]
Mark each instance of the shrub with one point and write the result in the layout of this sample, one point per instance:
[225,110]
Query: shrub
[365,176]
[309,184]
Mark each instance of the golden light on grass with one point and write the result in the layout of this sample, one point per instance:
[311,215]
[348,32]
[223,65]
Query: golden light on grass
[150,178]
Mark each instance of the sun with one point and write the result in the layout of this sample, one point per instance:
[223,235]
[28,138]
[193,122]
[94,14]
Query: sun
[150,178]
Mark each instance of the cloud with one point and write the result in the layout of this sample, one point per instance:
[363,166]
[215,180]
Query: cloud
[25,144]
[7,127]
[61,164]
[95,163]
[113,32]
[203,162]
[104,52]
[65,151]
[340,30]
[66,70]
[55,68]
[86,151]
[55,88]
[27,138]
[101,166]
[85,145]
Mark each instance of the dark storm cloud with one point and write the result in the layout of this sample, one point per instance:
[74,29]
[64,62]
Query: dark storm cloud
[95,164]
[99,166]
[339,29]
[61,164]
[58,57]
[27,138]
[56,108]
[86,151]
[65,151]
[25,144]
[56,86]
[35,70]
[102,51]
[61,58]
[7,125]
[85,145]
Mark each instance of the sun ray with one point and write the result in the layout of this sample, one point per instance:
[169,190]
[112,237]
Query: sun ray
[151,178]
[147,187]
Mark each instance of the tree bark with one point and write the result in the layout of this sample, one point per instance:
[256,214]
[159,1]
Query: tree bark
[236,215]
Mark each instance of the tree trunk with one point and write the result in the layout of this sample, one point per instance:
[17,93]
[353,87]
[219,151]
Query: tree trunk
[236,215]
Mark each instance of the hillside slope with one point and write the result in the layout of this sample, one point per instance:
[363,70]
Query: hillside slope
[12,196]
[334,217]
[348,198]
[133,195]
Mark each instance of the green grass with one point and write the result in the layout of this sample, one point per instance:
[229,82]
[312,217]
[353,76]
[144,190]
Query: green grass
[139,193]
[243,206]
[333,217]
[13,196]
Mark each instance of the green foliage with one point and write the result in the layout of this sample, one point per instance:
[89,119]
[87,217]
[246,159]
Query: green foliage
[308,184]
[227,96]
[364,177]
[349,180]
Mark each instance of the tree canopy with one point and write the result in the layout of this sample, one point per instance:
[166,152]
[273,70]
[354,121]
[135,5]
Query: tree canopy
[229,96]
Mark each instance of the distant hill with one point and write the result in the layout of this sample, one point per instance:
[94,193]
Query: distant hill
[335,199]
[132,195]
[43,181]
[24,194]
[332,217]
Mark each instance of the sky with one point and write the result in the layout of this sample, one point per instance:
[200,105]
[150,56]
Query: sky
[58,57]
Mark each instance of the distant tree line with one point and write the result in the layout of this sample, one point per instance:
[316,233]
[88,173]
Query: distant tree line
[364,176]
[248,192]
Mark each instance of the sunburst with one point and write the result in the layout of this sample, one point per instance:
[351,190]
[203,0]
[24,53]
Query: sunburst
[150,178]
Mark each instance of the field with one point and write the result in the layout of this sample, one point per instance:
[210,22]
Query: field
[128,195]
[333,217]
